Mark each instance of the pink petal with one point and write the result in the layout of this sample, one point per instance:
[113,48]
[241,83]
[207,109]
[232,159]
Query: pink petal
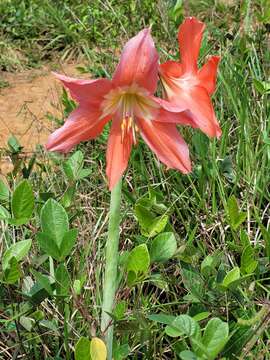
[165,141]
[118,153]
[82,125]
[138,63]
[86,92]
[207,75]
[189,37]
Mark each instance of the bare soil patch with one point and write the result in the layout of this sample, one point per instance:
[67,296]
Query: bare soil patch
[26,103]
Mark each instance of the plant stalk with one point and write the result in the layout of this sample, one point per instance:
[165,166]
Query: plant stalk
[110,277]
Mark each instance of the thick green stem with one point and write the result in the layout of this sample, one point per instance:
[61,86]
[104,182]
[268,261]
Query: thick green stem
[110,278]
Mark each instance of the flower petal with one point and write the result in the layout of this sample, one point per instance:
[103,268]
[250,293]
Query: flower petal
[81,125]
[138,63]
[200,106]
[118,153]
[171,68]
[207,75]
[86,92]
[189,37]
[165,141]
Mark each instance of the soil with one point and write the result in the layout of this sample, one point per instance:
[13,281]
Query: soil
[26,102]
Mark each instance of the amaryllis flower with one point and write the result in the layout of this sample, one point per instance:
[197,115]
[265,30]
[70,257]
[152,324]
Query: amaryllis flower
[129,102]
[189,87]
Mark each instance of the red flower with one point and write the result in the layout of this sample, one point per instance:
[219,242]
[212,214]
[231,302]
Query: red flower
[189,87]
[129,102]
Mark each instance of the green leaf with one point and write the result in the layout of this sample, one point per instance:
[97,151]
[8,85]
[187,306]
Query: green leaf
[13,273]
[215,337]
[4,214]
[4,192]
[54,221]
[236,217]
[48,245]
[62,280]
[183,325]
[193,282]
[158,225]
[163,247]
[248,264]
[22,202]
[18,250]
[139,260]
[73,166]
[144,217]
[231,276]
[82,349]
[187,355]
[44,281]
[68,243]
[161,318]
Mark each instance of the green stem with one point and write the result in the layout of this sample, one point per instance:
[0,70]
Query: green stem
[110,278]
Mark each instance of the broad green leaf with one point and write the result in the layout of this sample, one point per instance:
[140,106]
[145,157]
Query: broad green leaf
[215,337]
[13,273]
[77,287]
[68,243]
[248,264]
[73,166]
[4,214]
[163,247]
[201,316]
[231,276]
[98,349]
[18,250]
[161,318]
[193,282]
[48,245]
[82,349]
[27,322]
[158,225]
[138,260]
[62,280]
[208,265]
[144,217]
[236,217]
[44,281]
[187,355]
[183,325]
[54,221]
[4,192]
[22,202]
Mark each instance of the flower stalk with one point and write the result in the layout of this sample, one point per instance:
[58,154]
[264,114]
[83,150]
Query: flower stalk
[110,276]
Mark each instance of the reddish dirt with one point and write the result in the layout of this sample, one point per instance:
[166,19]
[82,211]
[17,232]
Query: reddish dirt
[26,102]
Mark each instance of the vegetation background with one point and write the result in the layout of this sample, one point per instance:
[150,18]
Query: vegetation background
[201,243]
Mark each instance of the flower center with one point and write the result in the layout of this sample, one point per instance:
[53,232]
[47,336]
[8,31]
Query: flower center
[128,103]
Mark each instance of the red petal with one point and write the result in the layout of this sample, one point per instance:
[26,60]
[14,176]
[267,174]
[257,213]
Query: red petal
[199,103]
[207,75]
[82,125]
[138,63]
[118,153]
[171,68]
[189,37]
[165,141]
[86,91]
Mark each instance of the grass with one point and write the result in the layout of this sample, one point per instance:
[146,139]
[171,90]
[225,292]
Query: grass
[230,177]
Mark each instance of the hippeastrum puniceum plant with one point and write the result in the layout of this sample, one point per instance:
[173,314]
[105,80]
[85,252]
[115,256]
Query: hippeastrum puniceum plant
[189,87]
[128,100]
